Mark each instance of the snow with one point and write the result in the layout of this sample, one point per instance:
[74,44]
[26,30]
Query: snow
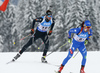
[30,62]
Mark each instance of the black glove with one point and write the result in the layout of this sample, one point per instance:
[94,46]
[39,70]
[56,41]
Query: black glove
[50,32]
[32,31]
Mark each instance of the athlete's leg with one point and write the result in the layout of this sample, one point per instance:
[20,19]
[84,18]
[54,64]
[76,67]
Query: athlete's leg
[46,42]
[35,37]
[26,46]
[23,49]
[83,51]
[70,54]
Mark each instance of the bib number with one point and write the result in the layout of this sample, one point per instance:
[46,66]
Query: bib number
[44,28]
[79,39]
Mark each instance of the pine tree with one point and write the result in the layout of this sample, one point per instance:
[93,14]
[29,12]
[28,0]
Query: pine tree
[6,29]
[74,16]
[95,36]
[16,21]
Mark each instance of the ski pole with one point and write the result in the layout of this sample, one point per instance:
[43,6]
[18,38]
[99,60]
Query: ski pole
[24,37]
[75,54]
[58,48]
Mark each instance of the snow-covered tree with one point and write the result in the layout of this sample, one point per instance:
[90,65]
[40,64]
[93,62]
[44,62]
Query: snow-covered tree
[16,22]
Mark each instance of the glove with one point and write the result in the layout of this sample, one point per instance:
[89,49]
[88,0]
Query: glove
[86,42]
[32,31]
[69,40]
[50,32]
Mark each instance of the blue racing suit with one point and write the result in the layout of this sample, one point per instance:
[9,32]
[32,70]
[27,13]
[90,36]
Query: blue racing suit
[78,42]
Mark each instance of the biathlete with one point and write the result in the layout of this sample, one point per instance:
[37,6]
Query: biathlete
[80,38]
[45,23]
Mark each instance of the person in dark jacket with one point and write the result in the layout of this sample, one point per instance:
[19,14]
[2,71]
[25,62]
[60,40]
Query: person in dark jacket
[45,23]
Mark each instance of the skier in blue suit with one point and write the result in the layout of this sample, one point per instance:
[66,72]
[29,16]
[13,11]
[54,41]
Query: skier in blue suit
[80,39]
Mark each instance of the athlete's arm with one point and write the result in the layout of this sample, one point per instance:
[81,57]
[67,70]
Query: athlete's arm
[52,25]
[90,34]
[73,30]
[36,20]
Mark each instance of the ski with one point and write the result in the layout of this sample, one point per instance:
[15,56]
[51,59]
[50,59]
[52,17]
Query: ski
[55,71]
[49,64]
[10,61]
[15,58]
[59,72]
[53,64]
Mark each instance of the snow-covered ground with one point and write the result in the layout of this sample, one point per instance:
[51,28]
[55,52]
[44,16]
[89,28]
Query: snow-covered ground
[30,62]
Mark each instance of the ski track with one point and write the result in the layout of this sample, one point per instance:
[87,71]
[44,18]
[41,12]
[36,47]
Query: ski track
[30,62]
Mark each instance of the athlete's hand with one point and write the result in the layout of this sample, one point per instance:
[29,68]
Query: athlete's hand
[32,31]
[50,32]
[69,40]
[86,42]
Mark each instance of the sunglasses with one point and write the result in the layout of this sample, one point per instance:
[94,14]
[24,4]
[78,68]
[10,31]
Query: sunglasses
[49,16]
[88,27]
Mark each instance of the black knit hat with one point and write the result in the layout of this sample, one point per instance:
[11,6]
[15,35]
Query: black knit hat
[48,12]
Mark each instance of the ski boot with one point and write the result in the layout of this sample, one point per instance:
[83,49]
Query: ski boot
[82,70]
[16,57]
[60,69]
[58,72]
[43,59]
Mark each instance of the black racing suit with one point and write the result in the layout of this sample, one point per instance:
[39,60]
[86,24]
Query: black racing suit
[39,34]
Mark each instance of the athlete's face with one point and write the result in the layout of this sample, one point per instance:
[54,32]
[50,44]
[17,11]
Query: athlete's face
[87,28]
[49,17]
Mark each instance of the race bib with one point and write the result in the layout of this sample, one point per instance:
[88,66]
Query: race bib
[77,38]
[43,28]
